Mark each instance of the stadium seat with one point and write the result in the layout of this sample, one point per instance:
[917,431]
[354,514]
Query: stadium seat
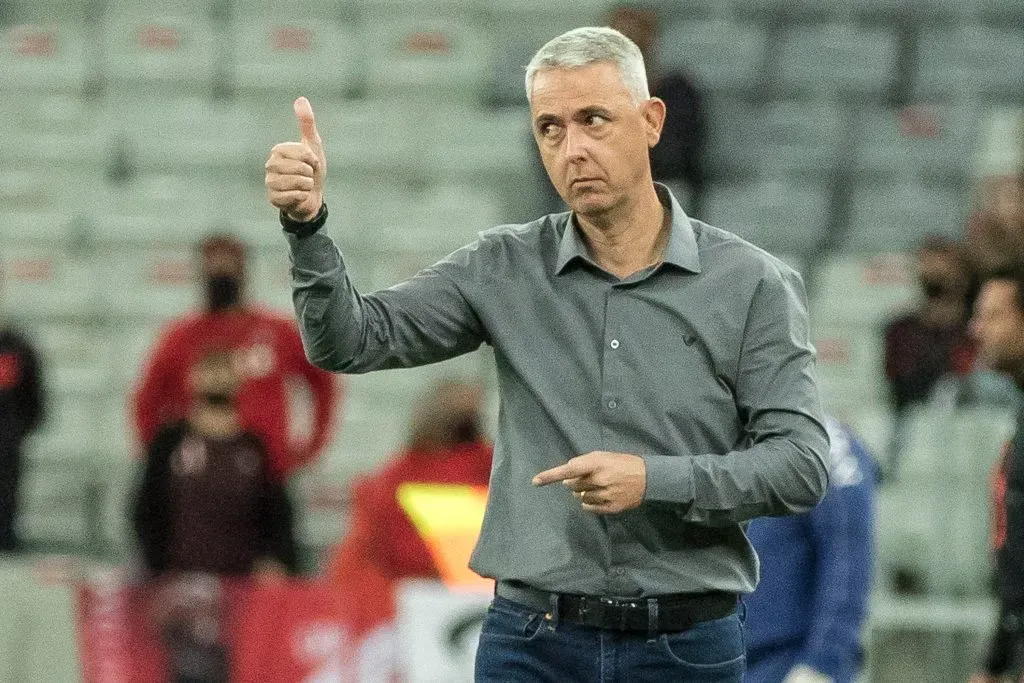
[835,59]
[324,11]
[153,284]
[146,52]
[857,291]
[273,53]
[970,59]
[187,134]
[894,215]
[48,131]
[849,365]
[435,56]
[43,57]
[76,358]
[34,189]
[535,22]
[804,11]
[270,278]
[366,140]
[785,137]
[937,141]
[469,145]
[777,214]
[721,54]
[44,283]
[37,633]
[43,228]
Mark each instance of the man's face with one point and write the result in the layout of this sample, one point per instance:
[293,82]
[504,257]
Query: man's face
[593,138]
[222,262]
[998,326]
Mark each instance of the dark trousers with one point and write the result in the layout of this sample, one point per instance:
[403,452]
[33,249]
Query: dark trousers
[10,475]
[521,645]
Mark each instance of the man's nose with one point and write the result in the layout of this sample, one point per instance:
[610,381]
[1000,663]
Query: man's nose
[576,144]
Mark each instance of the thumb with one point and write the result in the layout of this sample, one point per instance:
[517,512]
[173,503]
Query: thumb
[307,122]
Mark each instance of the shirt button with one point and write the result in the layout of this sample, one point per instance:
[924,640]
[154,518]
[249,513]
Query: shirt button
[613,404]
[615,343]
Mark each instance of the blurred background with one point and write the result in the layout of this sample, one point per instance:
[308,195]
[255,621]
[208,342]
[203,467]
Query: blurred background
[838,134]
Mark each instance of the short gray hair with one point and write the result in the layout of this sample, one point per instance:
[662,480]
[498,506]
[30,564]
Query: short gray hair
[589,44]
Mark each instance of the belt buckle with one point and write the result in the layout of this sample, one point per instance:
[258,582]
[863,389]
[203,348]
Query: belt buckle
[616,611]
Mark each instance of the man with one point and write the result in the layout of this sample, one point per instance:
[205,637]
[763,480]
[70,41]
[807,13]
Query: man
[658,367]
[805,619]
[998,325]
[382,547]
[930,343]
[21,411]
[268,354]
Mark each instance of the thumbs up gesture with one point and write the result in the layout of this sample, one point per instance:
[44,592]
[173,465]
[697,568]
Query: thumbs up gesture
[296,170]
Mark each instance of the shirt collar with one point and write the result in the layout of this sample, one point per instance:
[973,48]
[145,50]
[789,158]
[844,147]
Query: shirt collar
[681,250]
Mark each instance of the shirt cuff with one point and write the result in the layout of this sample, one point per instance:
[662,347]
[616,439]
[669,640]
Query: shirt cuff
[316,253]
[669,479]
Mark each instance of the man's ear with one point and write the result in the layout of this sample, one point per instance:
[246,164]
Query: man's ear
[653,111]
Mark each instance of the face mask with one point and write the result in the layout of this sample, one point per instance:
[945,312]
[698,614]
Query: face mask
[466,430]
[932,289]
[222,291]
[219,399]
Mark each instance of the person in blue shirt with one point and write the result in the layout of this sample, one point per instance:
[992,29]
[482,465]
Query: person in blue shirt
[804,620]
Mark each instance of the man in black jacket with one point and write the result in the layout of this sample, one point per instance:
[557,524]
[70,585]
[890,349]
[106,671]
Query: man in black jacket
[998,325]
[21,411]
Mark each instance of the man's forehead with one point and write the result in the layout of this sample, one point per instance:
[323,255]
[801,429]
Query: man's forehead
[599,83]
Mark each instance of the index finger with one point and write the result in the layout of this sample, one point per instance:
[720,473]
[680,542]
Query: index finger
[569,470]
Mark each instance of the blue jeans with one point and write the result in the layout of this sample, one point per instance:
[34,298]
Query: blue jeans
[520,645]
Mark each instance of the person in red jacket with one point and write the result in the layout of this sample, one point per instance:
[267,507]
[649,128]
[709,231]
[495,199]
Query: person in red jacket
[267,353]
[382,547]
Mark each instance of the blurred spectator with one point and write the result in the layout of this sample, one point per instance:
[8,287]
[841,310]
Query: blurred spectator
[804,620]
[998,325]
[21,411]
[267,353]
[208,501]
[931,342]
[678,158]
[445,446]
[995,240]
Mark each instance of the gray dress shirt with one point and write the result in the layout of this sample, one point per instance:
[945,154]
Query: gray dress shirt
[701,365]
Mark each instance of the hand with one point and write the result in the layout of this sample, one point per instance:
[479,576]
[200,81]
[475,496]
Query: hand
[801,673]
[296,170]
[605,483]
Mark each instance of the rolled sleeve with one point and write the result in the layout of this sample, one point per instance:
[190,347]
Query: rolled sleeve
[783,467]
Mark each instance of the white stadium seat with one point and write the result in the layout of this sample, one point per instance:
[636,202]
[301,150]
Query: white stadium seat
[895,215]
[833,59]
[722,54]
[273,55]
[970,58]
[43,57]
[144,52]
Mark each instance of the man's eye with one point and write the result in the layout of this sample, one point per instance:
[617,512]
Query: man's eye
[549,130]
[595,119]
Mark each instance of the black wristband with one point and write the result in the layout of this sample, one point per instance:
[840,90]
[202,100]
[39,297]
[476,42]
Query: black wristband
[304,229]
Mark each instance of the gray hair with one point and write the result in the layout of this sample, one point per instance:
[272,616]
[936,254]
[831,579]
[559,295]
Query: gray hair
[589,44]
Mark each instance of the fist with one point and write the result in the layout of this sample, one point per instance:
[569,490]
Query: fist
[296,170]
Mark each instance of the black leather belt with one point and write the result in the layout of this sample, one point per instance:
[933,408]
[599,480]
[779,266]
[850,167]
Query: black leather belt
[661,613]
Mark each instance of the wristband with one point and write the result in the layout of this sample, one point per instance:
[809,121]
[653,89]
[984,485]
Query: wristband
[303,229]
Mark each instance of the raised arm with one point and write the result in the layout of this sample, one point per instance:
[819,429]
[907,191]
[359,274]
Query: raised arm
[422,320]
